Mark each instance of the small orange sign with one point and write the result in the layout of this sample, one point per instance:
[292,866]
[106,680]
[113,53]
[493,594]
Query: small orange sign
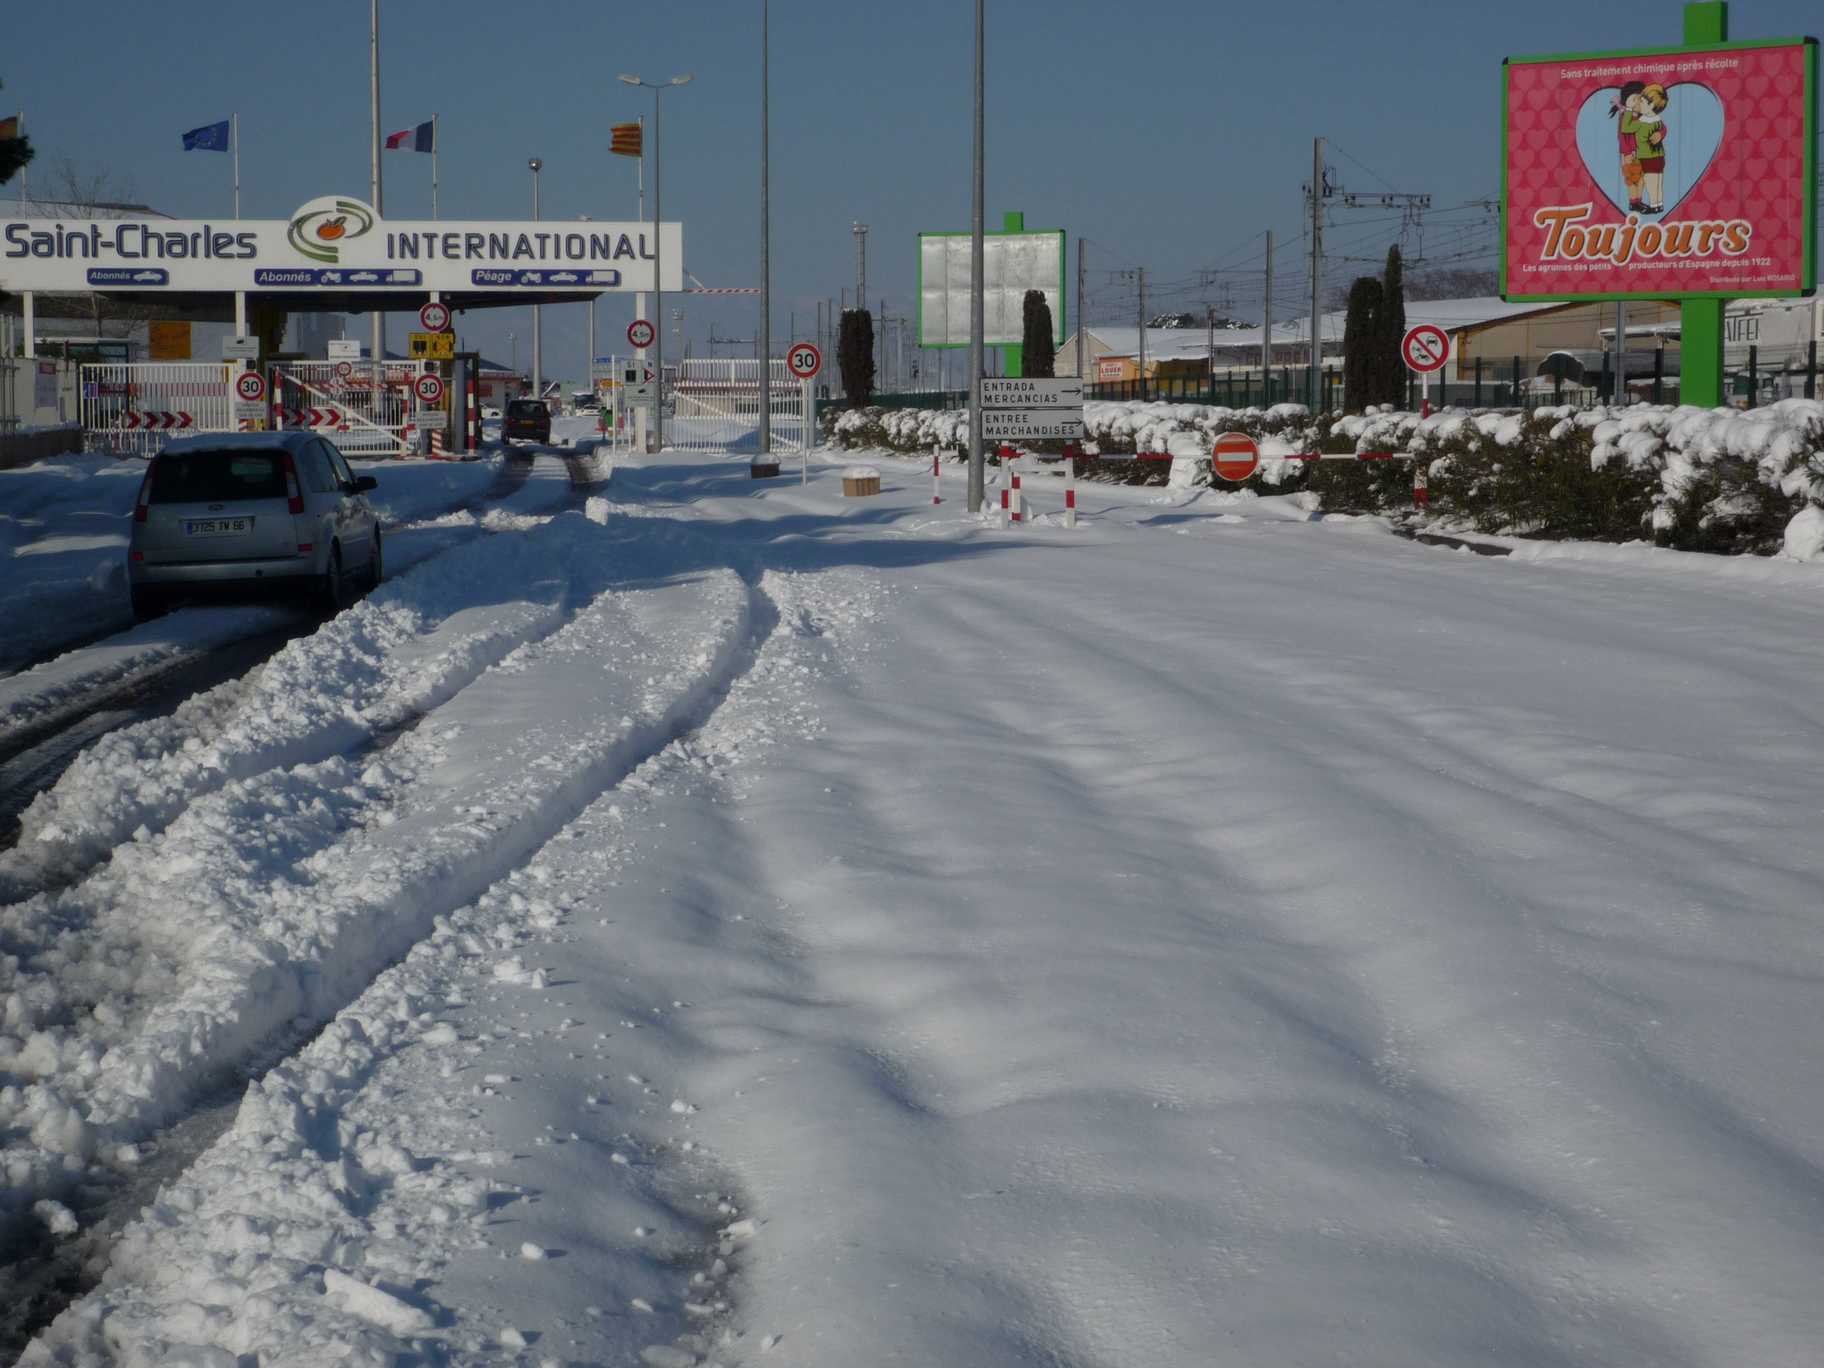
[168,341]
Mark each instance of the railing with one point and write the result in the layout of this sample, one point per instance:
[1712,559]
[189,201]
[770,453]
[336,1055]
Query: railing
[138,407]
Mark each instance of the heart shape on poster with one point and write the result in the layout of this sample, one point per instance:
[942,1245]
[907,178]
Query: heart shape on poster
[1693,123]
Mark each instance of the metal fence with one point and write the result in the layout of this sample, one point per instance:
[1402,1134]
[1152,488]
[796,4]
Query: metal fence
[714,405]
[360,406]
[1752,376]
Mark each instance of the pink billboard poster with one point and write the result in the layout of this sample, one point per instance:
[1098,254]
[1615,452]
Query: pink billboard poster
[1659,174]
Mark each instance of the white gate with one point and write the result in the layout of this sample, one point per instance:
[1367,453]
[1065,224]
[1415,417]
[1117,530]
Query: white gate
[715,406]
[137,407]
[364,409]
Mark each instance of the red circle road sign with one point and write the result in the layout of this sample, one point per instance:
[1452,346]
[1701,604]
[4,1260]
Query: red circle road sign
[1235,456]
[1426,348]
[434,316]
[640,333]
[804,360]
[250,387]
[428,388]
[344,369]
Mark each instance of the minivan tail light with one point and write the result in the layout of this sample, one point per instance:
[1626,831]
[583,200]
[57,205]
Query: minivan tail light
[294,500]
[145,492]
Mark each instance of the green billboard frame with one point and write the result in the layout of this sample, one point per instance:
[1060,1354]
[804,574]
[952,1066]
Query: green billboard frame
[1013,224]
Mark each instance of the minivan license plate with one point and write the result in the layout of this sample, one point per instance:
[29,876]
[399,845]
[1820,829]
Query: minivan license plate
[218,527]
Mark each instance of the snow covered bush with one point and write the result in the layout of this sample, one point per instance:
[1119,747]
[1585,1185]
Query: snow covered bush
[1722,480]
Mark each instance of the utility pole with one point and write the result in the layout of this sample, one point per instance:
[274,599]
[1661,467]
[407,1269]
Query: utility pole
[860,230]
[1210,311]
[1081,377]
[977,466]
[1142,275]
[1317,268]
[538,329]
[766,278]
[1266,327]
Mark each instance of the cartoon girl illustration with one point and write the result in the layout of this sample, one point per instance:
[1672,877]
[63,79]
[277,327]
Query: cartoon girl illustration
[1642,133]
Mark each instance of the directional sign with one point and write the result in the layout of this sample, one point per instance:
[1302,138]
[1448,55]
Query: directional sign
[155,420]
[1032,425]
[1426,348]
[640,333]
[1033,394]
[250,386]
[434,316]
[431,346]
[804,360]
[1235,456]
[429,389]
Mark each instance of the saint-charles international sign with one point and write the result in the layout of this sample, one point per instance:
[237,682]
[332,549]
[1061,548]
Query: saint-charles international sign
[334,243]
[1663,173]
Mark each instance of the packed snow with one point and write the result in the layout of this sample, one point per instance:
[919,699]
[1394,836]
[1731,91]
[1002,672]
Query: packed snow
[729,923]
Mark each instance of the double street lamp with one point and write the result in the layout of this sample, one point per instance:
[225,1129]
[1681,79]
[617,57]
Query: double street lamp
[658,278]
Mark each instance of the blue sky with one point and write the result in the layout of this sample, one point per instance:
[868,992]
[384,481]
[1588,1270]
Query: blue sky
[1169,135]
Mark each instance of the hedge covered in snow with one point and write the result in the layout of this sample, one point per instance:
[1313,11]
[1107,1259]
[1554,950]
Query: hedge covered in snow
[1723,480]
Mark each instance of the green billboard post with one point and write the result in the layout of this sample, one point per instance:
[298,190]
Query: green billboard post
[1661,174]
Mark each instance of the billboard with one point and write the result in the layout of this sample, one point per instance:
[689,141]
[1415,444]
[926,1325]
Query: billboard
[333,243]
[1662,173]
[1013,262]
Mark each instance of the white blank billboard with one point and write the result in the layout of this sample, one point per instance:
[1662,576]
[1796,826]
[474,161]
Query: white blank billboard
[1012,263]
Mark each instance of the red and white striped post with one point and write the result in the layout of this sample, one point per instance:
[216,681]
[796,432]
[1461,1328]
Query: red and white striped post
[937,485]
[474,409]
[1019,506]
[1006,489]
[1070,484]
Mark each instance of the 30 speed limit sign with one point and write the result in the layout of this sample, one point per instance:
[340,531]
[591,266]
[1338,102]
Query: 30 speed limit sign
[429,389]
[804,360]
[250,387]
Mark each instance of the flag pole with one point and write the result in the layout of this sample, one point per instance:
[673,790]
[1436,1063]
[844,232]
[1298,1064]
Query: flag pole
[25,175]
[433,166]
[234,136]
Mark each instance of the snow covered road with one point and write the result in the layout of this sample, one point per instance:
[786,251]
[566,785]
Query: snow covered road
[846,931]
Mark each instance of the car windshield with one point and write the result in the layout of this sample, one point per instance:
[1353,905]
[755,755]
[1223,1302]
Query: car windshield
[526,408]
[216,476]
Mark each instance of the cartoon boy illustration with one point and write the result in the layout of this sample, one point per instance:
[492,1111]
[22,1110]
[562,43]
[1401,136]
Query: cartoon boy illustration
[1642,133]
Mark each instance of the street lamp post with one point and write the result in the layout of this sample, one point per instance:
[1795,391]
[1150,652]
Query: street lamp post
[538,363]
[658,251]
[513,342]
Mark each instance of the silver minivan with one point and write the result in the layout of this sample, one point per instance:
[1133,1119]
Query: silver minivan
[252,508]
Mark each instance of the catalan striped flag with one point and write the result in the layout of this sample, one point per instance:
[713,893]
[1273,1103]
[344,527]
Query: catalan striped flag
[9,127]
[625,140]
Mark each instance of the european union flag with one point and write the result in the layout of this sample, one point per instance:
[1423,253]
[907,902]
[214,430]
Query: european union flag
[209,138]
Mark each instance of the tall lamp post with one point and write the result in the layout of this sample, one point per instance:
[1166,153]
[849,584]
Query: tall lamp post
[658,251]
[538,364]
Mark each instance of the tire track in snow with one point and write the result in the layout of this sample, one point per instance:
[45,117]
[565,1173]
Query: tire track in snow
[389,1077]
[377,856]
[410,642]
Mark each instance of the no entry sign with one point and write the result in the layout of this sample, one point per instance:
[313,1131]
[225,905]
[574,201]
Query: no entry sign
[640,333]
[434,316]
[1426,348]
[804,360]
[1236,456]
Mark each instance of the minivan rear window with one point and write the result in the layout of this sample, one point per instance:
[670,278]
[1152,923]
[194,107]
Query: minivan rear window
[526,408]
[217,476]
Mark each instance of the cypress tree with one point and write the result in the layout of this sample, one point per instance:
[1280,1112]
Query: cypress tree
[855,355]
[1361,344]
[1037,354]
[1390,328]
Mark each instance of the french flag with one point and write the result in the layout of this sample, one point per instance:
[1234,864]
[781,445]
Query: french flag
[417,139]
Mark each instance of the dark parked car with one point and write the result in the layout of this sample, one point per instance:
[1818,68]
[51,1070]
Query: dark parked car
[253,508]
[527,419]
